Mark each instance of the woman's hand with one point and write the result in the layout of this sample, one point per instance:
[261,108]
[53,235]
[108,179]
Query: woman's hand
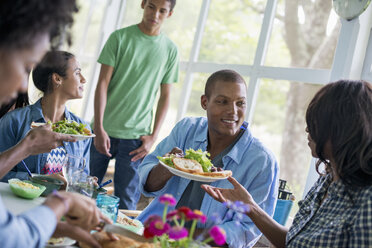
[238,193]
[65,229]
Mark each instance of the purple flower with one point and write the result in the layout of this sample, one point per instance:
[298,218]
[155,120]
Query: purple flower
[168,198]
[158,228]
[237,206]
[215,219]
[218,235]
[178,232]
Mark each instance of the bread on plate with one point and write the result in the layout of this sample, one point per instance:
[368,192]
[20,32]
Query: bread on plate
[224,173]
[104,240]
[187,165]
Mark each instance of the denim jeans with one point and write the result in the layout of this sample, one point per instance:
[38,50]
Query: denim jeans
[126,179]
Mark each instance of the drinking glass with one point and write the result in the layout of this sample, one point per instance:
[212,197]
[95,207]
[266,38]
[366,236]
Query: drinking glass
[81,183]
[72,164]
[109,205]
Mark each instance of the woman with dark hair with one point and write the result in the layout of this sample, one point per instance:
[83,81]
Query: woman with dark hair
[20,102]
[337,211]
[26,29]
[59,77]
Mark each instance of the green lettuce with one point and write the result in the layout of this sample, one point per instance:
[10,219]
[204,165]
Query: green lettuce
[167,160]
[201,157]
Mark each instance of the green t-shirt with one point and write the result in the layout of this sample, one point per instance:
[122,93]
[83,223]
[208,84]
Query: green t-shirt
[141,63]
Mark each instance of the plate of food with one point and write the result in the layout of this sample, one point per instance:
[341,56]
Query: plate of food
[195,165]
[72,128]
[59,242]
[25,189]
[124,241]
[130,224]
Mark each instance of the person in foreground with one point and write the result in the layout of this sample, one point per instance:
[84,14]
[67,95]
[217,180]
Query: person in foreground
[337,211]
[19,102]
[59,77]
[136,63]
[226,136]
[26,29]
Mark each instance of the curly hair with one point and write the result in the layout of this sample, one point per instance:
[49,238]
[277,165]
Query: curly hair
[341,113]
[22,21]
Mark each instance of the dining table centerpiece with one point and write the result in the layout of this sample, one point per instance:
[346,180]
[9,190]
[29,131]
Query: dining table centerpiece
[169,230]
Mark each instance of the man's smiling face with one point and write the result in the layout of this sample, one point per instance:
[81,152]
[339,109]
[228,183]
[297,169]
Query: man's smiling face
[225,108]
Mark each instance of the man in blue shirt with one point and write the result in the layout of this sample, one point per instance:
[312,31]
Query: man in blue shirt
[227,138]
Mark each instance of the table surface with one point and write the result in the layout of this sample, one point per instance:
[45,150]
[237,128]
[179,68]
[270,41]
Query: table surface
[15,204]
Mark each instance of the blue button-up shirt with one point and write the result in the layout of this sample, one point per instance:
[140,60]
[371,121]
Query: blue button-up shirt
[252,165]
[15,125]
[29,229]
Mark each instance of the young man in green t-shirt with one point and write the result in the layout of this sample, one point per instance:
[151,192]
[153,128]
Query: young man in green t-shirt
[136,61]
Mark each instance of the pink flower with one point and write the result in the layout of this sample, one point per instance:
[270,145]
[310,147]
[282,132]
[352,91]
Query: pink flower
[178,232]
[218,235]
[151,219]
[156,228]
[168,198]
[173,214]
[196,215]
[184,211]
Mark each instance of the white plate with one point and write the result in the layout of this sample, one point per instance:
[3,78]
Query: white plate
[191,176]
[77,136]
[66,242]
[82,137]
[139,229]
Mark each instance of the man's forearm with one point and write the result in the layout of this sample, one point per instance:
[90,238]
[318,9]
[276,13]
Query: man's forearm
[161,109]
[157,178]
[100,99]
[12,156]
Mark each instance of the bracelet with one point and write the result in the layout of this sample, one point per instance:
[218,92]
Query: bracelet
[63,199]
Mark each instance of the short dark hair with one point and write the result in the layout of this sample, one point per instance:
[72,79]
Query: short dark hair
[224,76]
[52,62]
[172,2]
[341,113]
[22,21]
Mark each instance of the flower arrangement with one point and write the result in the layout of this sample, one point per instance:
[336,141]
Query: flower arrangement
[169,230]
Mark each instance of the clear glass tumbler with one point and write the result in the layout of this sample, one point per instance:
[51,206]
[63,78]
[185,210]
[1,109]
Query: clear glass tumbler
[109,205]
[71,165]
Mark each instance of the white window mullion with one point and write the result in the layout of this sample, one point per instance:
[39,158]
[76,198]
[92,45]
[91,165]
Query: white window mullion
[263,43]
[113,12]
[187,85]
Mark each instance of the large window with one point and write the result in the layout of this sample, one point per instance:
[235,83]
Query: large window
[284,49]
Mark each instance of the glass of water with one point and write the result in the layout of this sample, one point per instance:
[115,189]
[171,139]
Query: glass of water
[71,165]
[109,205]
[81,183]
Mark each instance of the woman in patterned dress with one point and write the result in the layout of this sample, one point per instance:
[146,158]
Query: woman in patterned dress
[59,77]
[337,211]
